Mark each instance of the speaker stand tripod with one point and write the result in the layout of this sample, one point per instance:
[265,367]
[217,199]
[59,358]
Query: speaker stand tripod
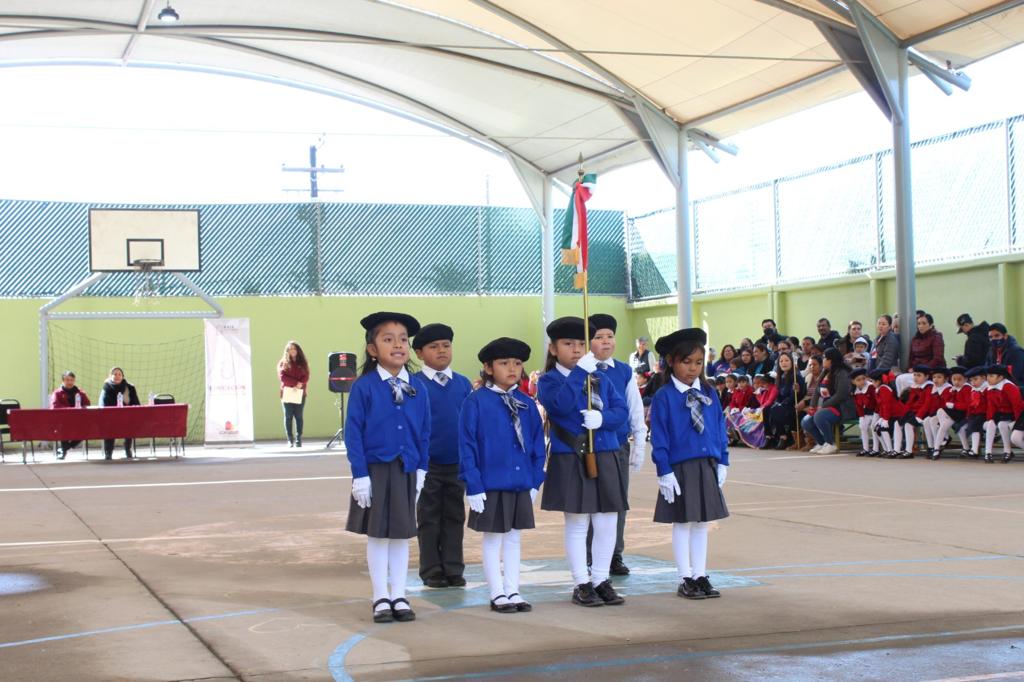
[340,435]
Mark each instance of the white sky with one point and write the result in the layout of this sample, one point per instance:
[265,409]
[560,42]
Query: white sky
[105,134]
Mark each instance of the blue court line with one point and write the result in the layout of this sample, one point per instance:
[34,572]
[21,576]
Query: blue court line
[336,662]
[556,668]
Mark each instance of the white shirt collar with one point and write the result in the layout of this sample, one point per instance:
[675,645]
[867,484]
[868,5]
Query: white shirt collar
[610,362]
[386,375]
[865,388]
[683,388]
[430,372]
[939,389]
[497,389]
[999,386]
[564,371]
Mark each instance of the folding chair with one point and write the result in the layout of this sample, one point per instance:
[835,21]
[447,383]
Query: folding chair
[173,444]
[6,405]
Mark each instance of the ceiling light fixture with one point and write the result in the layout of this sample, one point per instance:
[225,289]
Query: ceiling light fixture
[168,15]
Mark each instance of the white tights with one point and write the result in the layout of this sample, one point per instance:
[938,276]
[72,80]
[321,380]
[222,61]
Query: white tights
[498,546]
[690,547]
[601,548]
[867,432]
[1004,434]
[388,557]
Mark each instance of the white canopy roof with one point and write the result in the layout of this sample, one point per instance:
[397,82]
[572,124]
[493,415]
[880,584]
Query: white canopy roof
[540,81]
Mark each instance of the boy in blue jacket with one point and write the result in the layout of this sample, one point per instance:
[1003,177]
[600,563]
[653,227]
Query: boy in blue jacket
[441,511]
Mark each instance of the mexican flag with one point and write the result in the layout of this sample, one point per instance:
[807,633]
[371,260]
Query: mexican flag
[574,229]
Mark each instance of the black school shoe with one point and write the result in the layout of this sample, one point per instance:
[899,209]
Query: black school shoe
[617,567]
[907,455]
[521,606]
[988,458]
[688,589]
[455,581]
[384,615]
[507,607]
[705,586]
[608,594]
[862,453]
[1007,457]
[402,615]
[584,595]
[436,581]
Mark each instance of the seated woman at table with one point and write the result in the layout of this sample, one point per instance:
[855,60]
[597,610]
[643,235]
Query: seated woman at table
[68,395]
[117,392]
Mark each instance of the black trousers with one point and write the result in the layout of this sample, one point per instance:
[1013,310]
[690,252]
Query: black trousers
[440,522]
[293,411]
[781,420]
[66,445]
[108,447]
[620,528]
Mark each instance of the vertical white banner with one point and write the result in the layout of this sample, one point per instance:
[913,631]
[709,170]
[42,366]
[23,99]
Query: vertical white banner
[228,381]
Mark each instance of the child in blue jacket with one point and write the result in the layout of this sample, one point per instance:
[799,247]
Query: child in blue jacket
[689,445]
[387,435]
[501,446]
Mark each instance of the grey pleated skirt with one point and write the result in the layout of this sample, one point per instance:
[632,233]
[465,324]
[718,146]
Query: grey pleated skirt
[504,510]
[701,500]
[392,510]
[567,489]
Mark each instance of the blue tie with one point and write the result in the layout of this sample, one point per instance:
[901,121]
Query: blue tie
[696,401]
[400,389]
[514,406]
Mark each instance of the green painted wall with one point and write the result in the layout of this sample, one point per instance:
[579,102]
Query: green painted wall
[989,290]
[320,324]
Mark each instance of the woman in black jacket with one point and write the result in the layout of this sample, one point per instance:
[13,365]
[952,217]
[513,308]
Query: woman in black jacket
[835,405]
[117,392]
[781,415]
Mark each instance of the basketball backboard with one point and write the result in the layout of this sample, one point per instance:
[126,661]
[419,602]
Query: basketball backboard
[124,239]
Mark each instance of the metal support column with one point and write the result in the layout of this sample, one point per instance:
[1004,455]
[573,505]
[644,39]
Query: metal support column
[906,295]
[684,237]
[548,257]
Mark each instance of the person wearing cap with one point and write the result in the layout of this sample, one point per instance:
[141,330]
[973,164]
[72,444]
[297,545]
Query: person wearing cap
[915,409]
[441,509]
[864,402]
[1004,350]
[888,409]
[858,358]
[563,392]
[643,358]
[1004,407]
[690,450]
[631,455]
[976,346]
[942,393]
[387,438]
[952,414]
[976,410]
[501,450]
[927,349]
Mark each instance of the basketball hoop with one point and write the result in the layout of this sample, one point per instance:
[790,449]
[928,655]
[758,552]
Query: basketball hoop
[144,288]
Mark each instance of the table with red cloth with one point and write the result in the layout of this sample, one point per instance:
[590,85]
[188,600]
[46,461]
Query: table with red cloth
[136,421]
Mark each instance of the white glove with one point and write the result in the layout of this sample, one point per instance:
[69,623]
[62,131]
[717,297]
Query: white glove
[476,502]
[882,424]
[588,363]
[421,478]
[637,452]
[723,472]
[592,419]
[669,487]
[949,406]
[533,495]
[361,491]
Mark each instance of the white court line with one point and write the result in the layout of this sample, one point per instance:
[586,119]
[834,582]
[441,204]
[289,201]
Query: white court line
[161,538]
[1018,675]
[108,486]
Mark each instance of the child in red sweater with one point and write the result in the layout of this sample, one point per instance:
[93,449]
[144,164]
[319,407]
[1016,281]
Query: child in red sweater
[1003,407]
[976,409]
[952,414]
[942,393]
[915,410]
[864,401]
[888,409]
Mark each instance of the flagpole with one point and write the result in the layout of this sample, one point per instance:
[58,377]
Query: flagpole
[589,458]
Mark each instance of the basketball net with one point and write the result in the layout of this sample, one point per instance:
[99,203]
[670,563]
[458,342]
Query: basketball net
[145,289]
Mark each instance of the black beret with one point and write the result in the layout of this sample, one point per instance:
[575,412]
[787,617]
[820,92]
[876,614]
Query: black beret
[720,379]
[411,324]
[998,327]
[976,372]
[743,377]
[858,373]
[502,348]
[769,377]
[667,344]
[998,369]
[941,370]
[432,332]
[957,370]
[877,374]
[603,321]
[923,369]
[567,328]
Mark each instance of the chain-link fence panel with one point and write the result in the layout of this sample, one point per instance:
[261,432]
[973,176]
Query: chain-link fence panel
[827,222]
[1014,180]
[959,194]
[652,254]
[735,239]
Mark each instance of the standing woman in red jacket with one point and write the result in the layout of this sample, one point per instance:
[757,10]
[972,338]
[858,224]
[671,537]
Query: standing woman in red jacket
[927,348]
[293,370]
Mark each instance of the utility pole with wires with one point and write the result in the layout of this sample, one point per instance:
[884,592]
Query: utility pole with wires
[314,196]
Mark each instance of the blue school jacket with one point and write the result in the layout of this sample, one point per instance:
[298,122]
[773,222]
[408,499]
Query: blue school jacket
[378,430]
[673,438]
[620,373]
[445,403]
[563,397]
[490,455]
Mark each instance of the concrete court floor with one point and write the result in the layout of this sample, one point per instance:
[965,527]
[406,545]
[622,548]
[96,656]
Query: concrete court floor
[231,564]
